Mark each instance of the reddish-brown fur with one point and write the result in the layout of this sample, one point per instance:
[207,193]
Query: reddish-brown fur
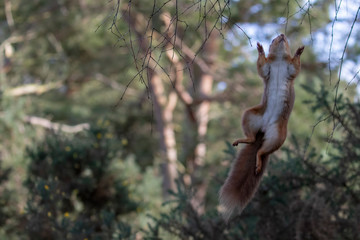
[243,181]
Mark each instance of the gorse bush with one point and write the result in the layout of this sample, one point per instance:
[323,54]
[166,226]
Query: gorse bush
[72,192]
[6,208]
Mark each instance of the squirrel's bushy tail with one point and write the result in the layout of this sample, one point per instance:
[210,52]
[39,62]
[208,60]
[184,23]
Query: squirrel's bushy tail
[242,183]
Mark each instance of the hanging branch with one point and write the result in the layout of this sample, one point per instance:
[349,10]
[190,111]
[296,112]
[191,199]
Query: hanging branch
[45,123]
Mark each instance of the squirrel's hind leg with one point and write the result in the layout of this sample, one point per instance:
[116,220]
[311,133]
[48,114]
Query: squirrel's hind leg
[251,125]
[273,139]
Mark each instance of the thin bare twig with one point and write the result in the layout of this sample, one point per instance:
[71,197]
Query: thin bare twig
[151,55]
[335,107]
[337,8]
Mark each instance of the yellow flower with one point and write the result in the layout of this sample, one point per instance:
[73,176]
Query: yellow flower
[125,183]
[99,136]
[46,187]
[66,214]
[124,141]
[67,148]
[49,214]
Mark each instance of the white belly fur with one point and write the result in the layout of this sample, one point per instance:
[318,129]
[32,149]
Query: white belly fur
[277,91]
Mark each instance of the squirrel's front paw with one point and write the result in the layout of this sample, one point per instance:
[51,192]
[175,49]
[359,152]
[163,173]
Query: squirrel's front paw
[260,49]
[299,51]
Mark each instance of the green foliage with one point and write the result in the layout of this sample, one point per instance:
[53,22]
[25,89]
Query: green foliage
[103,183]
[5,196]
[183,221]
[230,150]
[305,193]
[322,189]
[72,192]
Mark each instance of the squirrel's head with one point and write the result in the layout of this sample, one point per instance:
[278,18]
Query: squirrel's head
[280,46]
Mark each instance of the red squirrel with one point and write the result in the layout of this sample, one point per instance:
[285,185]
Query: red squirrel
[264,125]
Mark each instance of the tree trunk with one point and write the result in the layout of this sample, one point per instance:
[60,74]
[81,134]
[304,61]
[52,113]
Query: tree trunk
[202,116]
[165,102]
[163,112]
[163,107]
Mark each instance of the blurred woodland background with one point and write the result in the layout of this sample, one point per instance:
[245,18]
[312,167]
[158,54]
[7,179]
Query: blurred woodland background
[116,119]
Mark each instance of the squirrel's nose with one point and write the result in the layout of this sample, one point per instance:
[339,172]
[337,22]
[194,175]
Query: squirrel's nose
[282,35]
